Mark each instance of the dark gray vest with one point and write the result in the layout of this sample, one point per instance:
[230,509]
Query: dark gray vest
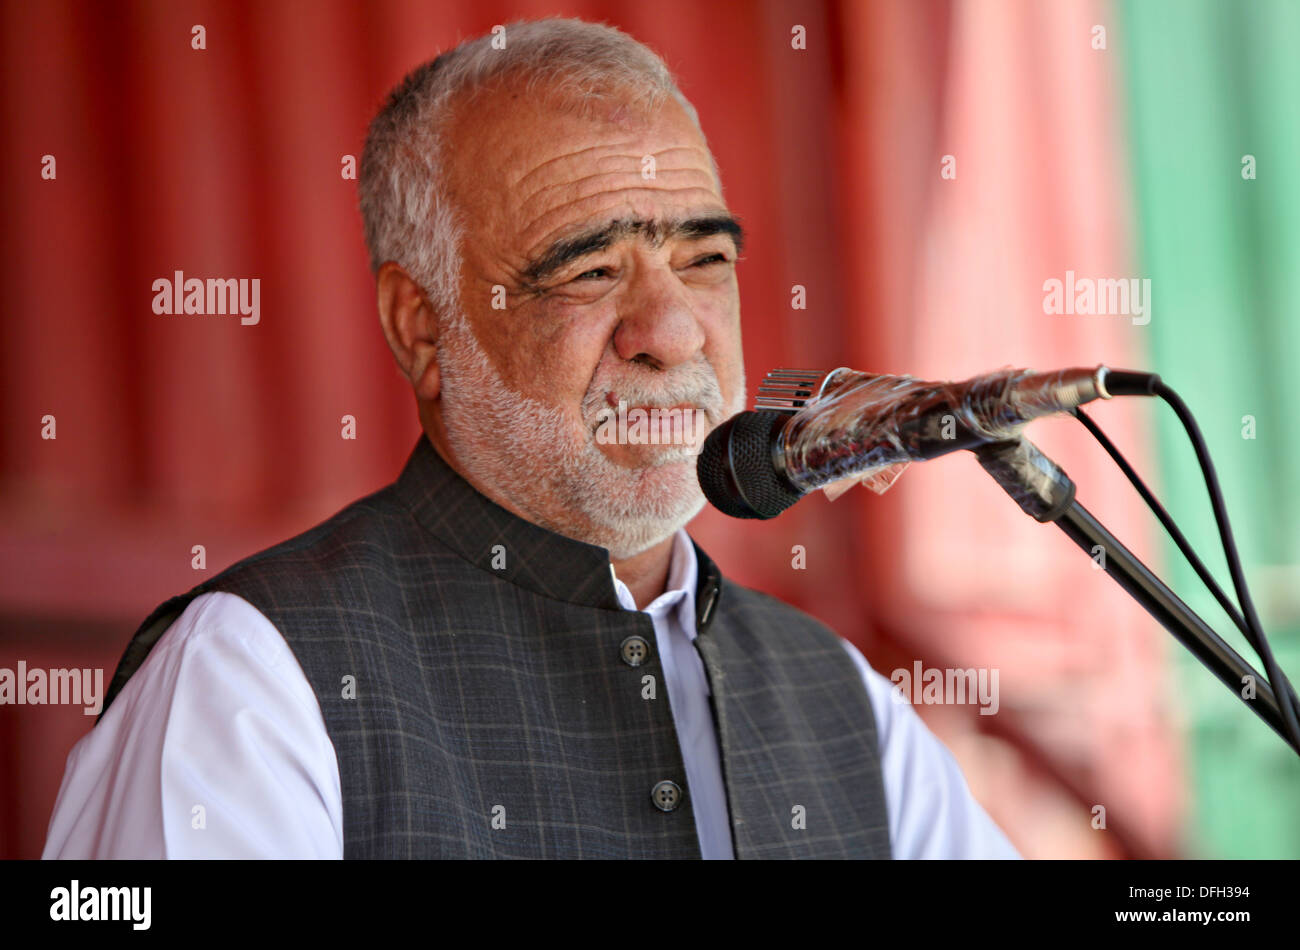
[495,711]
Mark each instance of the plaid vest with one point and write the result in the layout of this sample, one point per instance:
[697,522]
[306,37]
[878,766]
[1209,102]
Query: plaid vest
[473,676]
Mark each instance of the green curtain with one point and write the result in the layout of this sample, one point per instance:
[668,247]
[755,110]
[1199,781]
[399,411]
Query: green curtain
[1207,84]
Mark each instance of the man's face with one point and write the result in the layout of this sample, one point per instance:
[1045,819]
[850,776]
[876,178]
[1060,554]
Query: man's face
[598,268]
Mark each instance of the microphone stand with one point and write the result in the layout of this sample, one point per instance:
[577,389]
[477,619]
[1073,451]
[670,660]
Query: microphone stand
[1045,492]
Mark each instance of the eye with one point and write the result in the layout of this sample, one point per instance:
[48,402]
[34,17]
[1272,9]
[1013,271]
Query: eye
[596,273]
[711,259]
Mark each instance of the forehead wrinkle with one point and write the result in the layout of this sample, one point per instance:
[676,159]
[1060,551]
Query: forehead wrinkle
[632,166]
[567,156]
[576,185]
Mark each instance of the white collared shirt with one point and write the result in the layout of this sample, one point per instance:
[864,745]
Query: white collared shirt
[216,748]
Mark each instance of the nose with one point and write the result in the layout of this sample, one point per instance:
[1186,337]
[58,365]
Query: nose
[657,324]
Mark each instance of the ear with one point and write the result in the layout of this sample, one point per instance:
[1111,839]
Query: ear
[411,329]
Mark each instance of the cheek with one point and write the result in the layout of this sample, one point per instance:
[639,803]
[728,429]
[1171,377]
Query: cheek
[553,353]
[720,317]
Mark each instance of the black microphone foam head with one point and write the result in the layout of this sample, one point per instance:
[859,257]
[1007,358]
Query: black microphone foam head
[737,471]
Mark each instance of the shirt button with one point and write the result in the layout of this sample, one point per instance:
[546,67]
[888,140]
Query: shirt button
[666,796]
[634,651]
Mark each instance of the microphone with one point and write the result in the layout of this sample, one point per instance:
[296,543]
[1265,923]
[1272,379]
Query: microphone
[811,428]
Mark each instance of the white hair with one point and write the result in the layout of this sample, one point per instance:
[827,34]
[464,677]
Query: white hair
[408,214]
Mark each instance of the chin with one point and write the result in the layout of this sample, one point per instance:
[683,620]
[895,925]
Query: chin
[629,540]
[651,508]
[652,458]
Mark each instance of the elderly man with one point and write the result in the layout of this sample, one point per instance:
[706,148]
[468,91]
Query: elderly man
[515,650]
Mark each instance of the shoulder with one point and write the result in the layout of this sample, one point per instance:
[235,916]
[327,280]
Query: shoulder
[220,715]
[933,813]
[222,641]
[361,543]
[353,533]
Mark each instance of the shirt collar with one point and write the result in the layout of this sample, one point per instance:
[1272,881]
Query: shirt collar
[679,592]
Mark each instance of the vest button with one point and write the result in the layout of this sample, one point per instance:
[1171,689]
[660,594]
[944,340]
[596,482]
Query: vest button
[666,796]
[634,651]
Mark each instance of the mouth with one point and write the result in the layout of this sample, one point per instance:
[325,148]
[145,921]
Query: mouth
[680,425]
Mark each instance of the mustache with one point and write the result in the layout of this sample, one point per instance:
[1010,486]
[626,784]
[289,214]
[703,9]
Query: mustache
[696,384]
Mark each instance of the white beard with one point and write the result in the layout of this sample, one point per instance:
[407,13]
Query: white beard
[547,464]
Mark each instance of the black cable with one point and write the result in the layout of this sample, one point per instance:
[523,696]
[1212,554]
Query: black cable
[1179,538]
[1247,620]
[1276,678]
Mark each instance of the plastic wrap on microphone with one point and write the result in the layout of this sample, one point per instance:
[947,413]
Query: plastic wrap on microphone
[865,428]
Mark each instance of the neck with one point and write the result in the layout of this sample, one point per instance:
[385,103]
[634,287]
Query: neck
[645,574]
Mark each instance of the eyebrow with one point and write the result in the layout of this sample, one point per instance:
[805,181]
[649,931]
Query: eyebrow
[598,238]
